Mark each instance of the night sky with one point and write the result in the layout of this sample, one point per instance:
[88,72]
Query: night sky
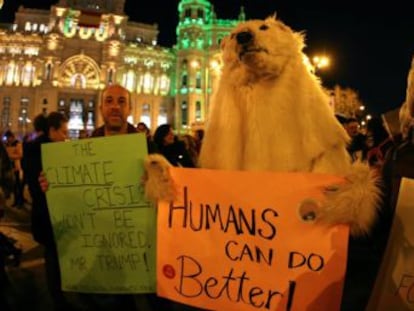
[371,45]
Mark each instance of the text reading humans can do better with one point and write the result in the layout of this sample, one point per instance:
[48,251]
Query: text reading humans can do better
[236,284]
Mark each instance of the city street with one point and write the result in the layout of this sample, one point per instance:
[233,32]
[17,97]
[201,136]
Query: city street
[28,289]
[27,281]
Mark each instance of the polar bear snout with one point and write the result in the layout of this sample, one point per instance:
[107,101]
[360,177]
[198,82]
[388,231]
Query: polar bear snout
[244,37]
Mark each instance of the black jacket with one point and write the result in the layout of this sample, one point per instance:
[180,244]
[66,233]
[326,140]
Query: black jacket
[100,131]
[41,225]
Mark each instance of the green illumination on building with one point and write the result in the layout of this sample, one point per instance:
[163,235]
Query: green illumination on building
[199,33]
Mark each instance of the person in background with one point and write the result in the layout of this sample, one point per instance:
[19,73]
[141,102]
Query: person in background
[115,107]
[15,151]
[171,148]
[6,180]
[378,142]
[356,147]
[55,130]
[191,146]
[83,134]
[6,174]
[143,128]
[40,127]
[199,135]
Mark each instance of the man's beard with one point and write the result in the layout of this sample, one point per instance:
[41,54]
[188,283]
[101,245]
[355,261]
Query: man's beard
[114,126]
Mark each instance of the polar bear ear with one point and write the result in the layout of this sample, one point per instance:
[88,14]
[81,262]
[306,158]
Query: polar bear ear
[271,18]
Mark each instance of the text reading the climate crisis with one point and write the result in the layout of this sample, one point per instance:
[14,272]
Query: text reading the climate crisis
[104,212]
[246,227]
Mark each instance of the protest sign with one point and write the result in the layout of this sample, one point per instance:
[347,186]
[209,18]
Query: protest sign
[236,241]
[394,287]
[103,226]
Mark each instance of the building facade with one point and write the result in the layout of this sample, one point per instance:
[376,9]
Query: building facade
[62,58]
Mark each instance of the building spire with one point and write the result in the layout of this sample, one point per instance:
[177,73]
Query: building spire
[242,14]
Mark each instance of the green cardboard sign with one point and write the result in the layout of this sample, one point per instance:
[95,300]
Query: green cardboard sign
[103,225]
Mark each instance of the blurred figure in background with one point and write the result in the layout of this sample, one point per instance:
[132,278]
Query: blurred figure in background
[14,149]
[378,142]
[6,175]
[83,134]
[143,128]
[356,147]
[199,135]
[171,148]
[8,250]
[191,146]
[57,131]
[40,127]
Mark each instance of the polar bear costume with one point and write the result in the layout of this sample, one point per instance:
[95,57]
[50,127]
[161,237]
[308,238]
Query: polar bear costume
[407,109]
[270,113]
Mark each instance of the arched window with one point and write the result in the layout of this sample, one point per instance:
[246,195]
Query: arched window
[198,80]
[27,74]
[110,75]
[184,114]
[76,115]
[164,85]
[48,70]
[187,13]
[146,114]
[162,116]
[128,80]
[5,113]
[148,83]
[140,83]
[200,13]
[78,81]
[23,114]
[198,112]
[184,79]
[10,70]
[27,26]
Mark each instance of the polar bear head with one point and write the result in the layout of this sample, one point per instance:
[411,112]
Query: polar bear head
[260,49]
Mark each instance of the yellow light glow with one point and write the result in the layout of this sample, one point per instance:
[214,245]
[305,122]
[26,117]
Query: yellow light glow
[195,64]
[322,61]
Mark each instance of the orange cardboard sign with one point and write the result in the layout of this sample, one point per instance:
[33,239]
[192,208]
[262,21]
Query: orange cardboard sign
[235,241]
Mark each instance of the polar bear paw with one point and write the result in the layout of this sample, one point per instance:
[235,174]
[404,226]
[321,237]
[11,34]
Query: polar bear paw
[157,180]
[354,202]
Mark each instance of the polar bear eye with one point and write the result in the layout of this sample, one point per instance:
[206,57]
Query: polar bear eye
[264,27]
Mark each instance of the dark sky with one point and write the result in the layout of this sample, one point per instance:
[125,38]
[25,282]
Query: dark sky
[371,45]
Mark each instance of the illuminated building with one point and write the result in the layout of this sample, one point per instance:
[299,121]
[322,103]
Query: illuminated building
[62,58]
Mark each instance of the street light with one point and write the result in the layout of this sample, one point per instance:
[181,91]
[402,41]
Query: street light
[320,62]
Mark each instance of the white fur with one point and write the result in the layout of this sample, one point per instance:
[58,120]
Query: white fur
[409,99]
[270,113]
[407,108]
[157,180]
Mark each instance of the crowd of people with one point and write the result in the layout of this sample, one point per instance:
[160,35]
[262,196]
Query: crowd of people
[391,156]
[21,166]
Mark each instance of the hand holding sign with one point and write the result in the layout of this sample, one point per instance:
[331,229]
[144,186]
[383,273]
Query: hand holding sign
[247,248]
